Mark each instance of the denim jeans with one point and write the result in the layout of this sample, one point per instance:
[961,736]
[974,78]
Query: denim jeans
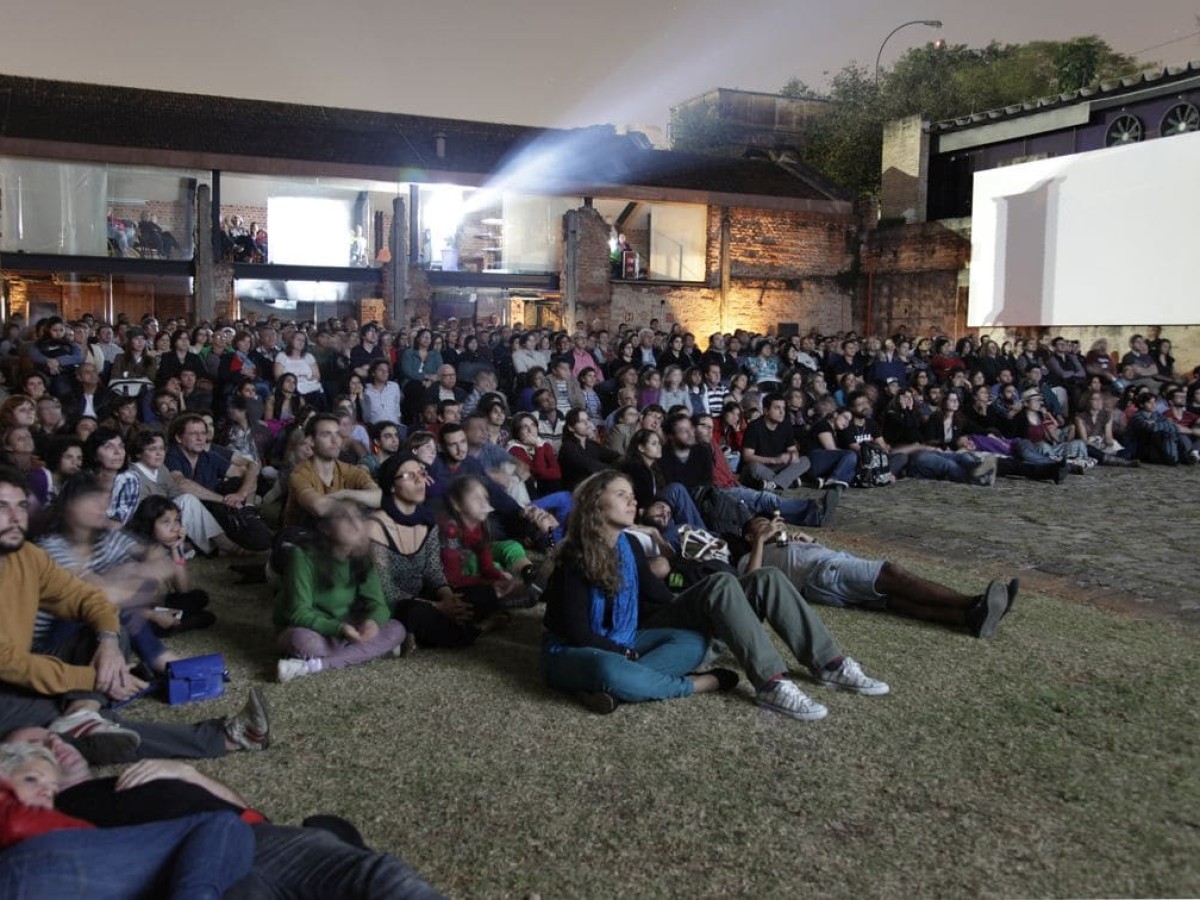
[837,464]
[764,503]
[311,864]
[941,466]
[194,858]
[665,655]
[682,506]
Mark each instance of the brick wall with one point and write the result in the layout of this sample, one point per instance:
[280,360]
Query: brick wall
[785,245]
[591,280]
[248,213]
[916,277]
[171,215]
[784,267]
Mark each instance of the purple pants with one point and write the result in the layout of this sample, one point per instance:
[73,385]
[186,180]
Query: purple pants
[336,653]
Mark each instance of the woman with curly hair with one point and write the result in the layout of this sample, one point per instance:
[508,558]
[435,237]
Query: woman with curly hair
[593,645]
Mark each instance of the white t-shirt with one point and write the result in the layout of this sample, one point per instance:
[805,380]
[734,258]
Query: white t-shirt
[302,369]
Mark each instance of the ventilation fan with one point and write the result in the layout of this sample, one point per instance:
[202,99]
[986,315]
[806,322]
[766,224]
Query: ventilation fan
[1125,129]
[1180,119]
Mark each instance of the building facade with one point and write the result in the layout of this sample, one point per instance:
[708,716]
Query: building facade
[124,201]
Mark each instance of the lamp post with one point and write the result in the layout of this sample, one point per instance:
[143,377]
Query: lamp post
[932,23]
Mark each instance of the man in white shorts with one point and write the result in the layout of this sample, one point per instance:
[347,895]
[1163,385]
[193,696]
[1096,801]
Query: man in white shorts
[836,578]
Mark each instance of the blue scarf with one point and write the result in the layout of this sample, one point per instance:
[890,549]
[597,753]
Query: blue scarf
[617,619]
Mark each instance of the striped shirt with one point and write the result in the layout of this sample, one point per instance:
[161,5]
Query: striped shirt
[110,549]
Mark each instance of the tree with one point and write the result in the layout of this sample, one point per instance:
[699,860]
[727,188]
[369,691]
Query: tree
[938,82]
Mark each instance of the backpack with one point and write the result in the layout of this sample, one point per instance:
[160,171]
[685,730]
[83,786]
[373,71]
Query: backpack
[724,515]
[874,466]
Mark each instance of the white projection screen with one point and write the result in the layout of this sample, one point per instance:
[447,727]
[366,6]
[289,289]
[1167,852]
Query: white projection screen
[1110,237]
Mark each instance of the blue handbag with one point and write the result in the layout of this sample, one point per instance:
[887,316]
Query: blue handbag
[197,678]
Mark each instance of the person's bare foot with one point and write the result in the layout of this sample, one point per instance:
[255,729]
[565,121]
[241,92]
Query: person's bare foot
[704,684]
[715,680]
[164,618]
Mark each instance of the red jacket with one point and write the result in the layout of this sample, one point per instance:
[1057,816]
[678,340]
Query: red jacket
[19,822]
[543,463]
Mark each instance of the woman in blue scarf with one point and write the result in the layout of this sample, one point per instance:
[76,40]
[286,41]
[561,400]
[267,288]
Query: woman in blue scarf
[593,645]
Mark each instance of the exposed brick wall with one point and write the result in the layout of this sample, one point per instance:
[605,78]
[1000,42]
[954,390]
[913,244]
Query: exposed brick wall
[783,268]
[814,303]
[916,278]
[787,245]
[172,216]
[248,213]
[911,276]
[590,281]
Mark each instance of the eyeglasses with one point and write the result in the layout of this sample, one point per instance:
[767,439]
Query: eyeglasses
[408,476]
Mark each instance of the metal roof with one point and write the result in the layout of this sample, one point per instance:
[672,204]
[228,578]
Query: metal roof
[1103,90]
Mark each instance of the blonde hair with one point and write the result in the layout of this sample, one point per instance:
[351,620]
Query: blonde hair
[14,756]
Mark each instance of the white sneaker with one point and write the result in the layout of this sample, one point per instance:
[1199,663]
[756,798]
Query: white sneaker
[849,677]
[291,669]
[783,696]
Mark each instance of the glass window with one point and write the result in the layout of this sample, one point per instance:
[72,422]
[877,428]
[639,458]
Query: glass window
[83,209]
[678,242]
[37,294]
[301,300]
[309,222]
[478,230]
[533,232]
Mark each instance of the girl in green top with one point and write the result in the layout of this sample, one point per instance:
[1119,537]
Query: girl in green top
[331,612]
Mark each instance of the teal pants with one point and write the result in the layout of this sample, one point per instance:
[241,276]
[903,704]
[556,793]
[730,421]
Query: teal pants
[665,656]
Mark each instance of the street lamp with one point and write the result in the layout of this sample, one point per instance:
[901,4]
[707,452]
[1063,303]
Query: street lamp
[932,23]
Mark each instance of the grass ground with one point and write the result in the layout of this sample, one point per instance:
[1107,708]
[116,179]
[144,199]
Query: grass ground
[1059,759]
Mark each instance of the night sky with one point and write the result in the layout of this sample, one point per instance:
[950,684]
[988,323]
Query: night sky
[535,62]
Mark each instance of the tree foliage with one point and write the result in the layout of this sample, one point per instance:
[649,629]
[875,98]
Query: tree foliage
[936,81]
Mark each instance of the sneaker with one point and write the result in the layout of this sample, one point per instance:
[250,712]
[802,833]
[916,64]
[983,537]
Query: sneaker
[984,473]
[989,610]
[821,483]
[599,702]
[784,697]
[405,648]
[250,728]
[101,741]
[770,486]
[829,504]
[1011,589]
[291,669]
[836,484]
[849,676]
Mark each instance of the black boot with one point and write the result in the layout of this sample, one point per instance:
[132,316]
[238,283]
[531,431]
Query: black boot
[1112,459]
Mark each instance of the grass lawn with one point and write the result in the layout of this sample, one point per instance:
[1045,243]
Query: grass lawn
[1060,759]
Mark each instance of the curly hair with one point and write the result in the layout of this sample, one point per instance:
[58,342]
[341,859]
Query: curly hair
[585,545]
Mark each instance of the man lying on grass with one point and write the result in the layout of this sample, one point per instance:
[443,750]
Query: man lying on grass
[835,578]
[841,579]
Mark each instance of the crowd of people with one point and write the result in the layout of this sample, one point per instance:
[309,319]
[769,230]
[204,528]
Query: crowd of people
[410,488]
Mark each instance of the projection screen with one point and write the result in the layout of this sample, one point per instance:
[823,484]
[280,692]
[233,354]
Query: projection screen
[1110,237]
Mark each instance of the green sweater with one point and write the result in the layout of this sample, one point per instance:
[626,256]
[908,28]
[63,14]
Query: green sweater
[301,603]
